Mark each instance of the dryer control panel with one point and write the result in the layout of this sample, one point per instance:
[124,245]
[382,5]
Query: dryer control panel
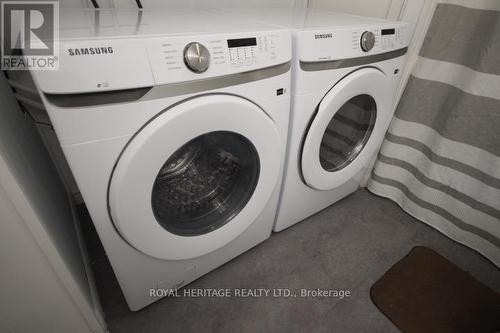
[179,59]
[352,42]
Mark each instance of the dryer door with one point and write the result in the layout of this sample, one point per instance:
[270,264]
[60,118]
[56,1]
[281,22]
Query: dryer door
[350,123]
[195,177]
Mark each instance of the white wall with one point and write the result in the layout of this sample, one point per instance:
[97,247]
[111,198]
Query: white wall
[45,283]
[32,298]
[220,3]
[186,4]
[374,8]
[407,10]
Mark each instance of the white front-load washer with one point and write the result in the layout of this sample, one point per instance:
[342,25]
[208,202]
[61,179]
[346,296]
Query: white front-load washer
[174,125]
[345,73]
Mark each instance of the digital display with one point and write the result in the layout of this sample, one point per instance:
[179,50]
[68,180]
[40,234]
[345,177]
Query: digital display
[241,42]
[388,32]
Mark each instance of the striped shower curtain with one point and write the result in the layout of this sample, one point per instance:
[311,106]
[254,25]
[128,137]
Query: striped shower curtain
[440,160]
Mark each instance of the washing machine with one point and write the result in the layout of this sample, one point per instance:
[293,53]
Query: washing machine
[174,125]
[345,73]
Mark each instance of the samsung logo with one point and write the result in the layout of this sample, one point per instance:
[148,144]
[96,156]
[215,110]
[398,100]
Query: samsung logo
[321,36]
[90,50]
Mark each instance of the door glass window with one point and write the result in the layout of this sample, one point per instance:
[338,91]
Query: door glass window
[347,133]
[205,183]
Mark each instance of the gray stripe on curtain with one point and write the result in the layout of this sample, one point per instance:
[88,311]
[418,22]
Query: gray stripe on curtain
[469,201]
[437,210]
[454,114]
[448,162]
[466,36]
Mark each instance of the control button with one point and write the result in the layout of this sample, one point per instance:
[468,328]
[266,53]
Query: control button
[367,41]
[196,57]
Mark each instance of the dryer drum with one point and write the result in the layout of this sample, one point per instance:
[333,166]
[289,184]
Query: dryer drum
[205,183]
[348,132]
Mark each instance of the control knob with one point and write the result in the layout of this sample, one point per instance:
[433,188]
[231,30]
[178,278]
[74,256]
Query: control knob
[367,41]
[196,57]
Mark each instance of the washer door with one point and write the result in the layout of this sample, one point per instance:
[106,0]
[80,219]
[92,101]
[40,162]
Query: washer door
[349,125]
[195,177]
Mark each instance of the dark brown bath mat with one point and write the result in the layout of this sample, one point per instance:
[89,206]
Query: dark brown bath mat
[424,292]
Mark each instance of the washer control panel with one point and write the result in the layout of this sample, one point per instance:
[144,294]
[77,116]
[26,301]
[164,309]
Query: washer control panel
[125,63]
[344,43]
[179,59]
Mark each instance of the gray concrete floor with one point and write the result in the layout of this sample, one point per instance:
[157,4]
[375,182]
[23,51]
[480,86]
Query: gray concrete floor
[346,246]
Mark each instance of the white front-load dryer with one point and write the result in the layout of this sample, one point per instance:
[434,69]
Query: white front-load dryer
[174,126]
[345,73]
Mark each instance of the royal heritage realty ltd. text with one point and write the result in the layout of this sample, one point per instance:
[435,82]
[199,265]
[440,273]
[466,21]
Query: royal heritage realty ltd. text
[249,292]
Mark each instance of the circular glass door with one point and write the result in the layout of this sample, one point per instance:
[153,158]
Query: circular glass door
[347,133]
[195,177]
[346,130]
[205,183]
